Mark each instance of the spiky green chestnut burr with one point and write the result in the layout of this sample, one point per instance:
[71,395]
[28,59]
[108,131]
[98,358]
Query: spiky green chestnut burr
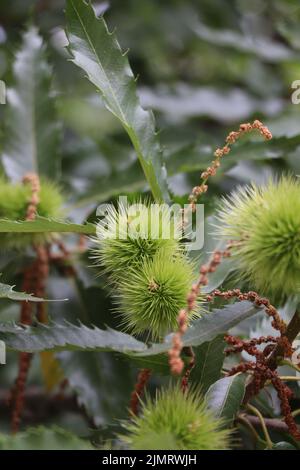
[176,421]
[13,206]
[151,296]
[133,237]
[265,221]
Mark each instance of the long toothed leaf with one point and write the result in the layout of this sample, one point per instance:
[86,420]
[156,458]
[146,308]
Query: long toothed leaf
[95,50]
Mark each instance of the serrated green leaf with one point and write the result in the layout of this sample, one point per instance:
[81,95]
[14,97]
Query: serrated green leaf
[8,292]
[43,225]
[67,336]
[32,131]
[225,396]
[209,360]
[90,299]
[41,438]
[95,50]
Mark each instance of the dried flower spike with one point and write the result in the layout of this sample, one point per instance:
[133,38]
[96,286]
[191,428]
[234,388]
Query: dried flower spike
[264,366]
[220,152]
[175,361]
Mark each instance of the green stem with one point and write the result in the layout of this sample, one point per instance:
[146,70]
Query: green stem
[263,425]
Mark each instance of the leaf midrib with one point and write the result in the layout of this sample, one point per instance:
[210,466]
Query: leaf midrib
[125,123]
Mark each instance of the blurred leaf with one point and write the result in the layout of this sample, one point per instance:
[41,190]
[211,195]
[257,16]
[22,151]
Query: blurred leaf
[43,225]
[51,370]
[203,256]
[262,46]
[209,361]
[90,299]
[105,187]
[87,116]
[98,53]
[42,438]
[226,395]
[32,133]
[267,402]
[283,446]
[185,102]
[102,382]
[217,278]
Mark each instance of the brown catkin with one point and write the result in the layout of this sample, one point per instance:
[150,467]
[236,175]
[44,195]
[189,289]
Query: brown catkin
[263,369]
[33,180]
[175,361]
[17,393]
[33,282]
[220,152]
[143,378]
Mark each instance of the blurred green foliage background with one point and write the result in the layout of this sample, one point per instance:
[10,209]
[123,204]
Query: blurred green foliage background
[203,67]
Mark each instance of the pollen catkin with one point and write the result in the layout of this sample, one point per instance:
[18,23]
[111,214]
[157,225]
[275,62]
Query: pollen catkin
[26,310]
[33,181]
[34,281]
[175,361]
[143,378]
[220,152]
[265,364]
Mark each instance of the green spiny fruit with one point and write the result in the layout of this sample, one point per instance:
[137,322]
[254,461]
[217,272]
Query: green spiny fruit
[266,223]
[151,296]
[176,421]
[130,240]
[14,199]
